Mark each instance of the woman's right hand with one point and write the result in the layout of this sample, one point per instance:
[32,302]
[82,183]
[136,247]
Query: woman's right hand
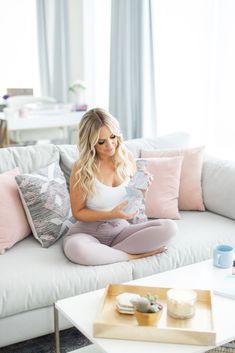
[117,212]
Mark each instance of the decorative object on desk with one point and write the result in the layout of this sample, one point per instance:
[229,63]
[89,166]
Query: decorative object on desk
[19,92]
[5,97]
[136,192]
[22,106]
[147,309]
[123,303]
[31,102]
[2,106]
[197,331]
[4,135]
[181,303]
[3,102]
[223,256]
[226,287]
[79,107]
[78,87]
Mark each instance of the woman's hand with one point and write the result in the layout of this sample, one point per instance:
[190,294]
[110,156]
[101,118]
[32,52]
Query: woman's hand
[117,212]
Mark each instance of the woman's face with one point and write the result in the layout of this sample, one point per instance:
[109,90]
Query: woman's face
[107,143]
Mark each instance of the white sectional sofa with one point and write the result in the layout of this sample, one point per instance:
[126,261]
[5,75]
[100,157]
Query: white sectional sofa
[32,278]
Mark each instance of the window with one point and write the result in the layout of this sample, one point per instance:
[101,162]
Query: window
[195,70]
[19,53]
[97,27]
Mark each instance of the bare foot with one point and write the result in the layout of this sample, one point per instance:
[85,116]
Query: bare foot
[154,252]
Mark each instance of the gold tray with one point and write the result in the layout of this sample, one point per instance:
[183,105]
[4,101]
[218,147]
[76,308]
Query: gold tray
[199,330]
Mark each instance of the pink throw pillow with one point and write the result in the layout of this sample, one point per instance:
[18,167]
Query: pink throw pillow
[13,222]
[190,192]
[162,197]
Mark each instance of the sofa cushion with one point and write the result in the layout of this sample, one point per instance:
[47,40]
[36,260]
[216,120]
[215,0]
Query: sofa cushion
[68,155]
[162,197]
[13,222]
[51,276]
[28,158]
[218,182]
[174,140]
[198,233]
[36,277]
[46,201]
[190,193]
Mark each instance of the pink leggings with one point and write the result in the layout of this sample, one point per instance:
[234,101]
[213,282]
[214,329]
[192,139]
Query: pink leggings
[100,243]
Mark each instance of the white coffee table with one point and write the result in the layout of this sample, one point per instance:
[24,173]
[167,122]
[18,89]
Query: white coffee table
[81,311]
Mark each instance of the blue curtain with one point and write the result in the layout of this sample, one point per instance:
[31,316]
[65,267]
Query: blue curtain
[132,76]
[53,48]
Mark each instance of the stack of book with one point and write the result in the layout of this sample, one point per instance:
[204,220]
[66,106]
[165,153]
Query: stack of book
[226,287]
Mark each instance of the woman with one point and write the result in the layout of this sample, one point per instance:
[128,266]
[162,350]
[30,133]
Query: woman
[97,191]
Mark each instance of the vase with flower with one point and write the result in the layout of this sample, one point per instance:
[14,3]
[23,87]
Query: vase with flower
[78,89]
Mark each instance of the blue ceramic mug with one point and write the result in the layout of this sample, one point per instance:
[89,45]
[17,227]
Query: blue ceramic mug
[223,256]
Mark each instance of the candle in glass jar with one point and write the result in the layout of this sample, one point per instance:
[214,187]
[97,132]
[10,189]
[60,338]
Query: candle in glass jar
[181,303]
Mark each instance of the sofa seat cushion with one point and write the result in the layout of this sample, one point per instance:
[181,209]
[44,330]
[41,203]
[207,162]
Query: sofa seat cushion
[34,277]
[198,233]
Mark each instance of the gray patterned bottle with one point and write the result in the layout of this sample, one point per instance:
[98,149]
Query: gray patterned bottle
[135,192]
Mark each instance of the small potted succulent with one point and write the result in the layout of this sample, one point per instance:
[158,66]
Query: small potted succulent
[147,309]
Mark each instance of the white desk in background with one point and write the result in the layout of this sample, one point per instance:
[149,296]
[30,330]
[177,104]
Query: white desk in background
[44,126]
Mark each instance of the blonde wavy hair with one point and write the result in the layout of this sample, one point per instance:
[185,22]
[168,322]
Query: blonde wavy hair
[87,164]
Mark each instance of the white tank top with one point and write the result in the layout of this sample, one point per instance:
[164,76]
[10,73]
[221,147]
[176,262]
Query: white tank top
[106,197]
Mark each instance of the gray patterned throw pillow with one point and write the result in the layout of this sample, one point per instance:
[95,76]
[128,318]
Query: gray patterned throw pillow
[46,202]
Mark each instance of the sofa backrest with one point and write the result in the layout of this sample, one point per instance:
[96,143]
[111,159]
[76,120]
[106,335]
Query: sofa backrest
[218,186]
[69,153]
[174,140]
[29,158]
[218,176]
